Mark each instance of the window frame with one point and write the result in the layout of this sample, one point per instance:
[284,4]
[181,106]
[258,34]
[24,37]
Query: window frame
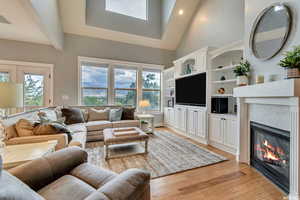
[125,64]
[147,12]
[125,67]
[152,89]
[81,89]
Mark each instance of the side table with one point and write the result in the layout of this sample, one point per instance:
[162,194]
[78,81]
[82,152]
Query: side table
[150,119]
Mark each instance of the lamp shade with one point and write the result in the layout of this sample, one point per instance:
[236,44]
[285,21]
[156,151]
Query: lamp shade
[11,95]
[144,103]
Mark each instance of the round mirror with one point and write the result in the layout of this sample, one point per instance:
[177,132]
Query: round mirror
[270,31]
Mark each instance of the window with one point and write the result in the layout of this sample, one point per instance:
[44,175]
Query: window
[151,88]
[132,8]
[4,77]
[94,84]
[33,90]
[125,86]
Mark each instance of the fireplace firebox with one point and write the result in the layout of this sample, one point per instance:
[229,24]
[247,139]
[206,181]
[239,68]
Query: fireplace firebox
[270,153]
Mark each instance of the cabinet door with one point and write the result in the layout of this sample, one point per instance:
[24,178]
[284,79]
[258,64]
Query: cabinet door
[201,124]
[172,117]
[177,117]
[166,116]
[230,133]
[190,122]
[183,122]
[215,130]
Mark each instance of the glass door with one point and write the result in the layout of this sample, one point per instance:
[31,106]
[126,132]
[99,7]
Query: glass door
[36,82]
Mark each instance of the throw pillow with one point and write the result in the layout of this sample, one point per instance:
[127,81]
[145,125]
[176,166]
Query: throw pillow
[115,114]
[128,113]
[24,128]
[72,115]
[98,115]
[44,129]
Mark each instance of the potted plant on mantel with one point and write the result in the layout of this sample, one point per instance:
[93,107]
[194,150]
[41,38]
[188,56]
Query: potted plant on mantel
[241,72]
[291,62]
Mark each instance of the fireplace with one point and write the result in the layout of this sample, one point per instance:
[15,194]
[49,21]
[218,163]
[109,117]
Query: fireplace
[270,153]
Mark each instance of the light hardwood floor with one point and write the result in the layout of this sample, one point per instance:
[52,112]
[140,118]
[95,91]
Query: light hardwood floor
[223,181]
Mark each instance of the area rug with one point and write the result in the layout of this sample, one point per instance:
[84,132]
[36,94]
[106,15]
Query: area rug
[168,154]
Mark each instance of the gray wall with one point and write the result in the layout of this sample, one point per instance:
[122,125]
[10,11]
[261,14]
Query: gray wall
[96,15]
[269,67]
[166,11]
[216,23]
[66,68]
[49,16]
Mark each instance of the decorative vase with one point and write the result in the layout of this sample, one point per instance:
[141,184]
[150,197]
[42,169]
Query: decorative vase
[292,73]
[144,126]
[242,80]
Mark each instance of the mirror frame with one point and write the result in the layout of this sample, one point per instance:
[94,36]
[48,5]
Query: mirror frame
[258,20]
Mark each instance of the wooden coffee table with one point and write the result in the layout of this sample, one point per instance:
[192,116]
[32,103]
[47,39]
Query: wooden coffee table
[111,139]
[15,155]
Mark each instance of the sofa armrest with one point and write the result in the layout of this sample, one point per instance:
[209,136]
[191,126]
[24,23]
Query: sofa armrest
[62,140]
[41,172]
[133,184]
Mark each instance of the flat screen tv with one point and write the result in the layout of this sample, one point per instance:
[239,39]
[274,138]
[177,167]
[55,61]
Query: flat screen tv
[191,90]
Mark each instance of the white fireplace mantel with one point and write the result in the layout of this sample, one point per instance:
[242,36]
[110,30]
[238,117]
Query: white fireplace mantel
[283,93]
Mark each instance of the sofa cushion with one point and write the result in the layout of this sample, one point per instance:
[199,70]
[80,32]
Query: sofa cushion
[24,128]
[74,128]
[13,188]
[93,175]
[128,113]
[93,136]
[115,114]
[72,115]
[98,115]
[126,123]
[98,125]
[66,188]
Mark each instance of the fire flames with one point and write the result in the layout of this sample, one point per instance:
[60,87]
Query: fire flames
[270,153]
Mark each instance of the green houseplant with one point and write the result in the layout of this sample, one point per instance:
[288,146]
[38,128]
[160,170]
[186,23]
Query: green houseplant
[291,62]
[241,72]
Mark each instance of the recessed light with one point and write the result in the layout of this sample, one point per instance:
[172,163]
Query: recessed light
[180,12]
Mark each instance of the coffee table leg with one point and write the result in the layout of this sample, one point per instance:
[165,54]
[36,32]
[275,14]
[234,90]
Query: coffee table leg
[146,146]
[106,151]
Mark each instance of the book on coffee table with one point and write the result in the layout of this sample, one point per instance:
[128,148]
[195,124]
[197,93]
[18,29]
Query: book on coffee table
[125,132]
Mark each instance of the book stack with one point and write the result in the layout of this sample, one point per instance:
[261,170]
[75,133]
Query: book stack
[125,132]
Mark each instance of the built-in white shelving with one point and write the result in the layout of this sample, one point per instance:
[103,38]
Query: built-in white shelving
[225,81]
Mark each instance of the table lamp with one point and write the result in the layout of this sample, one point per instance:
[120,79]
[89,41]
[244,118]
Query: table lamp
[143,104]
[11,96]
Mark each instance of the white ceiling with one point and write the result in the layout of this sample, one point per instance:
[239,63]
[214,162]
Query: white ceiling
[22,26]
[73,20]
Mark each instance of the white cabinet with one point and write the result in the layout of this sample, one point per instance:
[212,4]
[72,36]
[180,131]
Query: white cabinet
[180,118]
[196,59]
[223,132]
[169,116]
[216,129]
[196,122]
[230,136]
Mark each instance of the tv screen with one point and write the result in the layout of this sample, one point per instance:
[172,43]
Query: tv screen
[191,90]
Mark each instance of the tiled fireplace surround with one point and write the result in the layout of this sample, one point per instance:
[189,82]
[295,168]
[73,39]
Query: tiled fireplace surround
[275,104]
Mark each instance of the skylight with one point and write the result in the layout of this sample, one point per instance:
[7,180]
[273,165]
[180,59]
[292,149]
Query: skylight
[132,8]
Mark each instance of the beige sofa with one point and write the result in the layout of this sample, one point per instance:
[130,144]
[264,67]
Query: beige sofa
[65,175]
[81,133]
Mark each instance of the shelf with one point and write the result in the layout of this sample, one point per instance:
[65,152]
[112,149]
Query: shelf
[222,95]
[225,81]
[224,68]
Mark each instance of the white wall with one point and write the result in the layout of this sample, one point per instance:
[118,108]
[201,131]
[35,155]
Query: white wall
[97,16]
[49,21]
[269,67]
[216,23]
[166,11]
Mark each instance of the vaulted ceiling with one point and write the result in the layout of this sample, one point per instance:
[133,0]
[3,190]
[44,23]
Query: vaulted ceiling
[24,24]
